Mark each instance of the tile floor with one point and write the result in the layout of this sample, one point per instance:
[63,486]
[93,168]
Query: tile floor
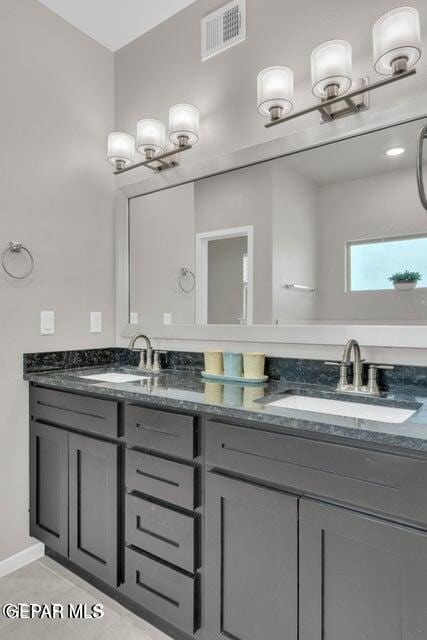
[45,581]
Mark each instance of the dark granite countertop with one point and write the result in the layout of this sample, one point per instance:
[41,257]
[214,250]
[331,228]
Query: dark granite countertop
[190,392]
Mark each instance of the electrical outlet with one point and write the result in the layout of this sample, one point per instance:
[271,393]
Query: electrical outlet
[95,322]
[47,323]
[133,318]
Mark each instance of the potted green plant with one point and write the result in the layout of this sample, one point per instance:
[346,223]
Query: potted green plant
[405,280]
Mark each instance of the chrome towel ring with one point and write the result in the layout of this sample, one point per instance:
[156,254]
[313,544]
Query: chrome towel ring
[185,273]
[420,179]
[17,247]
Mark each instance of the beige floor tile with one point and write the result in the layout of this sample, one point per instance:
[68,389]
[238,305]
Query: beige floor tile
[82,584]
[149,632]
[32,583]
[66,629]
[46,581]
[126,629]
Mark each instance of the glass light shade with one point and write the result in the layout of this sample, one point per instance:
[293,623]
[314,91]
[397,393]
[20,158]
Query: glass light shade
[121,148]
[275,90]
[151,135]
[396,34]
[184,123]
[331,65]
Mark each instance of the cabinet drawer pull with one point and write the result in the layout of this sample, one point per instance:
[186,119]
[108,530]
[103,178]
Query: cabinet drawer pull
[172,482]
[158,478]
[81,413]
[155,535]
[162,431]
[154,591]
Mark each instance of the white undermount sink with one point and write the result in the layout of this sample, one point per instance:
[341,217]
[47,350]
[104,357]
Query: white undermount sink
[346,409]
[114,377]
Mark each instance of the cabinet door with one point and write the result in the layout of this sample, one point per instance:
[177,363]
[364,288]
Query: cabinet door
[94,506]
[49,486]
[251,561]
[360,578]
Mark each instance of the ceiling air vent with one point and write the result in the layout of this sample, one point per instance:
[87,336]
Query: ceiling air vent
[223,28]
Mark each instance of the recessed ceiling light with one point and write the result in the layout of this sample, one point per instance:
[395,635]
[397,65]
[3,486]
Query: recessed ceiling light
[396,151]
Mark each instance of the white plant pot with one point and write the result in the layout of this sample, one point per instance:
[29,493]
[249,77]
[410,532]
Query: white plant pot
[405,286]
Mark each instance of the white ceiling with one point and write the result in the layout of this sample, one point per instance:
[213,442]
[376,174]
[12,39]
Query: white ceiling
[115,23]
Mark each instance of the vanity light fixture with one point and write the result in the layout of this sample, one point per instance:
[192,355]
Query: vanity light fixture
[121,150]
[150,137]
[331,69]
[151,141]
[396,151]
[397,49]
[275,92]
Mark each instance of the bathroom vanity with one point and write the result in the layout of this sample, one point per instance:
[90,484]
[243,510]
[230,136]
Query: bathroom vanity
[216,515]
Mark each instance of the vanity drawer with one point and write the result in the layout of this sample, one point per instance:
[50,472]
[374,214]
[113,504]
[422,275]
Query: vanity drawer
[387,483]
[75,411]
[168,593]
[172,433]
[166,480]
[162,532]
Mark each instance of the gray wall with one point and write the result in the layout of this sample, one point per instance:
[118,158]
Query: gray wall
[56,197]
[294,244]
[161,242]
[225,280]
[346,209]
[163,67]
[237,199]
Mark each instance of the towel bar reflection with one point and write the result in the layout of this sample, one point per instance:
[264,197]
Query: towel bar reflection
[17,247]
[299,287]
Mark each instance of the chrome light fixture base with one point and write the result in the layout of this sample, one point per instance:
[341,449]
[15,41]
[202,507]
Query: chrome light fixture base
[159,162]
[324,107]
[347,106]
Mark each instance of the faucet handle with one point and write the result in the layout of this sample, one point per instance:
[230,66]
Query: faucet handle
[381,366]
[337,364]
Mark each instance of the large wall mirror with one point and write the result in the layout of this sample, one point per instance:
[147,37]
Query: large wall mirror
[309,238]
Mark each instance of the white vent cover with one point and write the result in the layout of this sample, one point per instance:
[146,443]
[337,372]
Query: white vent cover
[223,28]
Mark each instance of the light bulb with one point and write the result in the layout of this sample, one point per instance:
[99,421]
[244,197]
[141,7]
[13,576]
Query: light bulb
[151,137]
[275,88]
[183,124]
[397,41]
[121,149]
[396,151]
[331,69]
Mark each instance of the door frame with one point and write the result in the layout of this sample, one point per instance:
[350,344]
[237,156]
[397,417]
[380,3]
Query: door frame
[201,288]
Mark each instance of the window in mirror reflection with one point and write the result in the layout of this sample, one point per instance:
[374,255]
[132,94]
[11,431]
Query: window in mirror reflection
[372,263]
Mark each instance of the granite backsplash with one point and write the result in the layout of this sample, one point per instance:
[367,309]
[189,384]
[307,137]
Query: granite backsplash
[292,369]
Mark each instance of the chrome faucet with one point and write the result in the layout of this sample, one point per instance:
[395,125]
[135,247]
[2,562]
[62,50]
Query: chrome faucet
[147,364]
[357,386]
[343,386]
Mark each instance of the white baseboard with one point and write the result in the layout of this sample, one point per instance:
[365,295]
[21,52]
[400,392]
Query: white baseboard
[22,558]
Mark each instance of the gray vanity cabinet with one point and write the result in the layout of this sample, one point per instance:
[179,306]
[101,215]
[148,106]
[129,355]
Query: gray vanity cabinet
[360,578]
[49,486]
[93,506]
[251,561]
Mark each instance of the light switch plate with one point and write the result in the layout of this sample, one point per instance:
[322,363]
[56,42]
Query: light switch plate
[47,323]
[167,318]
[95,322]
[133,318]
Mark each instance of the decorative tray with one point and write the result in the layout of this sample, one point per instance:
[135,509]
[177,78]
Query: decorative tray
[223,378]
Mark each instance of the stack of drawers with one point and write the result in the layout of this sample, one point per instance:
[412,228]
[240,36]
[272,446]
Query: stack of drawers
[162,528]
